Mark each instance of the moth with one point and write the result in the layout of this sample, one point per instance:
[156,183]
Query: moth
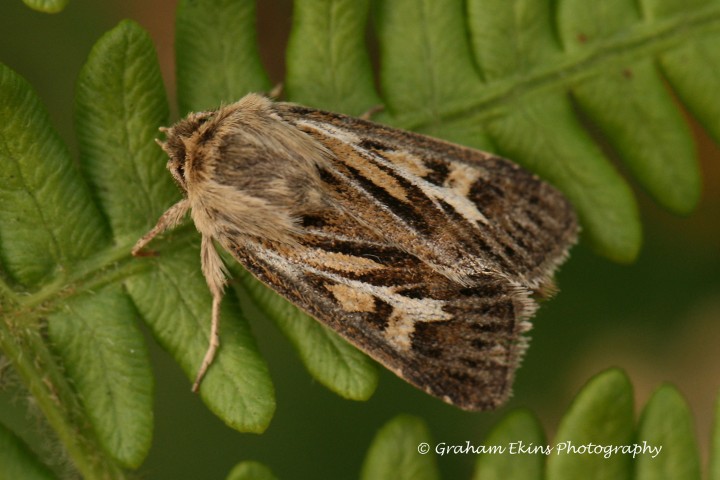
[425,255]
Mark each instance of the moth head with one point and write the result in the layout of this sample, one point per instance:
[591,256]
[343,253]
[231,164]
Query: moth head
[178,142]
[246,161]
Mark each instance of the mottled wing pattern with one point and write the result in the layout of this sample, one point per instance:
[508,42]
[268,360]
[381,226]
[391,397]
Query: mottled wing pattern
[459,343]
[466,211]
[423,254]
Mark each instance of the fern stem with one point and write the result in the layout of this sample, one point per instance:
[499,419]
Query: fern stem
[38,370]
[642,40]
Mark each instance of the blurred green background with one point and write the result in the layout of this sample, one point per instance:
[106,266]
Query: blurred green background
[659,318]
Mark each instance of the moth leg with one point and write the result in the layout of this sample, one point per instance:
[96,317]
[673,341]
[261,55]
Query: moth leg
[169,219]
[215,275]
[368,114]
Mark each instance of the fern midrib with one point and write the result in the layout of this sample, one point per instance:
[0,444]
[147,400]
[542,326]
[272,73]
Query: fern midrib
[328,46]
[428,53]
[107,266]
[127,116]
[13,158]
[642,41]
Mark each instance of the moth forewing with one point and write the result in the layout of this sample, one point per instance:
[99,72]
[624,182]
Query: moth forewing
[423,254]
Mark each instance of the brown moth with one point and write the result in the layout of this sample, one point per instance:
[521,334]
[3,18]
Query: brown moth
[423,254]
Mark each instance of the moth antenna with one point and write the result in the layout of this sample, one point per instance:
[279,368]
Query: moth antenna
[370,112]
